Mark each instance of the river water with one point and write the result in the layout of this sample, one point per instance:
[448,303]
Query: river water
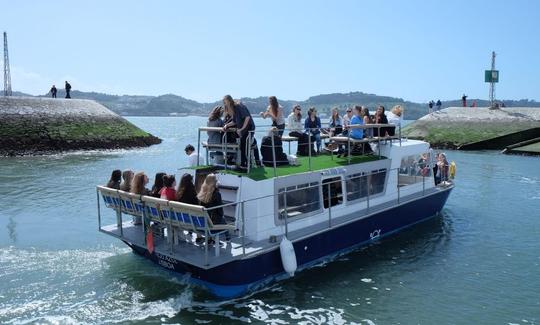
[477,264]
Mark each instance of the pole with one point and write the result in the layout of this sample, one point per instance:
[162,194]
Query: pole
[273,153]
[285,212]
[98,210]
[329,207]
[198,145]
[309,148]
[243,229]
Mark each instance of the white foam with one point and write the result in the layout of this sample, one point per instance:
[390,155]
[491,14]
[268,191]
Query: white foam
[366,280]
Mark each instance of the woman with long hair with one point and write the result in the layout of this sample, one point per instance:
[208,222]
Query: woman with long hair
[275,111]
[336,127]
[114,181]
[168,192]
[380,118]
[209,197]
[313,127]
[138,184]
[158,184]
[186,192]
[367,120]
[215,137]
[127,177]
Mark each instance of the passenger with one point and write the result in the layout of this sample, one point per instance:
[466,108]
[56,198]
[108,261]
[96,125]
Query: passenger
[242,120]
[357,120]
[275,111]
[158,185]
[194,159]
[186,192]
[295,126]
[209,197]
[312,125]
[214,120]
[336,127]
[367,120]
[442,167]
[380,118]
[168,192]
[116,177]
[394,118]
[138,184]
[347,121]
[127,177]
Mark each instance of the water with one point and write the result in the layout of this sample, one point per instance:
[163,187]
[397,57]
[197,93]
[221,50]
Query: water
[478,263]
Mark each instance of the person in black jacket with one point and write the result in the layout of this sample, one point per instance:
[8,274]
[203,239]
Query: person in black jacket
[53,91]
[116,177]
[158,185]
[186,192]
[210,197]
[68,90]
[380,118]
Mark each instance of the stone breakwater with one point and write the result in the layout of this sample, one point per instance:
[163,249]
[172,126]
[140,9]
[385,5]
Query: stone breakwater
[44,125]
[457,127]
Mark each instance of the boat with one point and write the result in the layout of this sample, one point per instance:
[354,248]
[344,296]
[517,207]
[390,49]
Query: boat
[281,219]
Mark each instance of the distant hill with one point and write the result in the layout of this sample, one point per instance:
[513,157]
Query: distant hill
[169,104]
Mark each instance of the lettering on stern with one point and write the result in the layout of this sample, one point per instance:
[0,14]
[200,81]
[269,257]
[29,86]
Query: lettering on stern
[166,261]
[375,234]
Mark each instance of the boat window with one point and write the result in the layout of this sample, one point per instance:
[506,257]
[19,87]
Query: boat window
[413,169]
[336,194]
[356,185]
[378,178]
[300,199]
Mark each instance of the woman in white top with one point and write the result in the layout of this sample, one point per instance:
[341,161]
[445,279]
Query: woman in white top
[394,117]
[275,111]
[296,126]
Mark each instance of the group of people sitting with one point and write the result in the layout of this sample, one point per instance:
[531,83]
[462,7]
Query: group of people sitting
[165,188]
[235,114]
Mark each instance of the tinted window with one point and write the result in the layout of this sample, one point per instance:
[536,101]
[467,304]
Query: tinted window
[356,185]
[300,199]
[336,194]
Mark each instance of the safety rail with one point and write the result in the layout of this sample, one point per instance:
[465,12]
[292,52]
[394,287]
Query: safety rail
[176,215]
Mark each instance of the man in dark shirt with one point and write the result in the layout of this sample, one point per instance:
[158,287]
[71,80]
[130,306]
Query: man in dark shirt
[68,90]
[53,91]
[243,122]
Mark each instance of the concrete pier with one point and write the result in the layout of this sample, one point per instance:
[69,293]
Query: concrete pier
[30,125]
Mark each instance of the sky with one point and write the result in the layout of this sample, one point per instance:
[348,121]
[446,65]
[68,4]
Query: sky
[202,50]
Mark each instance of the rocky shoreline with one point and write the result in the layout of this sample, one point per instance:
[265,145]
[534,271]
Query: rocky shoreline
[37,126]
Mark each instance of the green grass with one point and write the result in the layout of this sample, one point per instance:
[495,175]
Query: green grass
[317,163]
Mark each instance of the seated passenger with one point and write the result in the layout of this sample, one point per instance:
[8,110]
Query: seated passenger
[186,192]
[158,184]
[127,178]
[209,197]
[367,120]
[168,192]
[116,177]
[394,117]
[313,127]
[380,118]
[357,120]
[347,121]
[296,129]
[336,127]
[138,184]
[275,111]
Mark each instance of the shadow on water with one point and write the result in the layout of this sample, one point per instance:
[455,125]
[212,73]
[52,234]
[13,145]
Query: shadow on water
[11,225]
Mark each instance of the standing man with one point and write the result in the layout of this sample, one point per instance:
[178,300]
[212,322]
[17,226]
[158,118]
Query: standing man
[53,91]
[430,106]
[68,90]
[242,120]
[194,159]
[464,100]
[438,104]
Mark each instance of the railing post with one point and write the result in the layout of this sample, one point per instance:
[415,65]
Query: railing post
[273,153]
[397,182]
[423,185]
[243,229]
[286,213]
[309,148]
[349,148]
[368,190]
[329,207]
[198,144]
[206,243]
[99,210]
[225,143]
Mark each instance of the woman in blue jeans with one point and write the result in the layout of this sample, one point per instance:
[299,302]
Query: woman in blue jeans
[313,127]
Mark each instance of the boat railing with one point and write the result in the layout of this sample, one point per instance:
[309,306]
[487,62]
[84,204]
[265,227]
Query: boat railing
[369,137]
[138,205]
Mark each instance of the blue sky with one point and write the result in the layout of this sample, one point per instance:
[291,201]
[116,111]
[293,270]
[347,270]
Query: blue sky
[416,50]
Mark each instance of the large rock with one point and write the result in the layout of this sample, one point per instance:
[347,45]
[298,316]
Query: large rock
[31,125]
[454,127]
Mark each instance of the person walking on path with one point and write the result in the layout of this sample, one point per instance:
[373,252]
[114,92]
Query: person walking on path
[464,100]
[438,104]
[53,91]
[68,90]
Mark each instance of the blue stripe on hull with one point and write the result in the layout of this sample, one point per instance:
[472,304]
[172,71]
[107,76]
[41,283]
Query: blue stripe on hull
[231,279]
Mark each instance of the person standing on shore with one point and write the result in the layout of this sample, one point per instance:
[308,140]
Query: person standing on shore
[430,104]
[438,104]
[464,100]
[68,90]
[53,91]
